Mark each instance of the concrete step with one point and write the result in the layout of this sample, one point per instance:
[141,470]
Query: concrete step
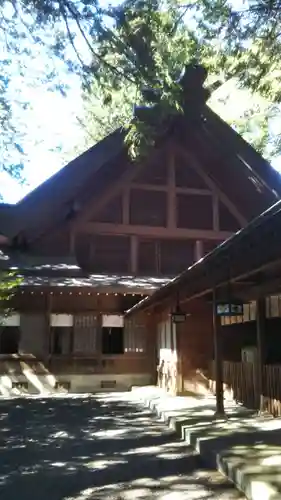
[244,447]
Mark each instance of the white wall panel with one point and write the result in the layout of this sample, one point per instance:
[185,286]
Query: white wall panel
[61,320]
[12,320]
[112,320]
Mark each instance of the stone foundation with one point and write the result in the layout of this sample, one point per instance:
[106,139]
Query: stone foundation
[31,383]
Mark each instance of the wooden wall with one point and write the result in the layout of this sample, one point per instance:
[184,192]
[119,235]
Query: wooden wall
[158,219]
[240,332]
[184,350]
[81,350]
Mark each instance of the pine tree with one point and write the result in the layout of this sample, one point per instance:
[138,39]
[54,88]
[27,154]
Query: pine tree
[153,56]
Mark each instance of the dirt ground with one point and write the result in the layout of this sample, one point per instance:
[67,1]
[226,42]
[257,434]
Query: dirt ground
[97,447]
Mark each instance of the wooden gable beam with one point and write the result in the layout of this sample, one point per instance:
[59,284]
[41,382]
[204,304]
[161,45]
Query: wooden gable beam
[165,189]
[218,193]
[153,232]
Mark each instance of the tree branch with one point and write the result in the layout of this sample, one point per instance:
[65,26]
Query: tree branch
[70,36]
[95,54]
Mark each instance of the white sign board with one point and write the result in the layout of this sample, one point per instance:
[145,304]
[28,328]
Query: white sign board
[61,320]
[112,321]
[12,320]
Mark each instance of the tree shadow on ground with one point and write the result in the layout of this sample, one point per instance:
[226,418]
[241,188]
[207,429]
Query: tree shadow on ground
[102,447]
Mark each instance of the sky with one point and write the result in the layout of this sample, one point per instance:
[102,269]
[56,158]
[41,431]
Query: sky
[52,133]
[50,125]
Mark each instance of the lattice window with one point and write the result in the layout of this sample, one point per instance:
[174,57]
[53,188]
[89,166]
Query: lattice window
[85,333]
[246,312]
[253,310]
[134,337]
[165,340]
[274,306]
[267,306]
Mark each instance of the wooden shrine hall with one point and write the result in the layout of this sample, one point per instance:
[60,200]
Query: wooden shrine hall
[226,308]
[105,232]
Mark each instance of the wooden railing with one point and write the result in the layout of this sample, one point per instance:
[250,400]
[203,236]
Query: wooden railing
[241,384]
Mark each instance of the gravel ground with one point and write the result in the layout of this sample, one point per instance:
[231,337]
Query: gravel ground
[102,447]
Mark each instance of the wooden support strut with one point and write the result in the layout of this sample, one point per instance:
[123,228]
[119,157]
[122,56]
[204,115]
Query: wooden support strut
[196,165]
[261,320]
[217,333]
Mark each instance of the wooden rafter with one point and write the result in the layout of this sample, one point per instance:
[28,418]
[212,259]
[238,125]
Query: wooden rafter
[165,189]
[196,165]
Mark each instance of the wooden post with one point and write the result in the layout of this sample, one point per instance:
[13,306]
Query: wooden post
[174,342]
[171,200]
[216,218]
[199,250]
[261,319]
[218,359]
[134,255]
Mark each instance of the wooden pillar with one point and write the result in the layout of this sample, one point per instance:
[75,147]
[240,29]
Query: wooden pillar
[171,201]
[217,333]
[134,255]
[261,323]
[199,250]
[216,219]
[174,354]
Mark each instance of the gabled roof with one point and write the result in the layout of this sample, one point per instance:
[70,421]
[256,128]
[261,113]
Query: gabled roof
[51,196]
[252,184]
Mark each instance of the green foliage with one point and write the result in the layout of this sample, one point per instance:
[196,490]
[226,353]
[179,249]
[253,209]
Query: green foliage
[9,282]
[249,40]
[153,55]
[147,46]
[250,115]
[146,43]
[24,42]
[140,138]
